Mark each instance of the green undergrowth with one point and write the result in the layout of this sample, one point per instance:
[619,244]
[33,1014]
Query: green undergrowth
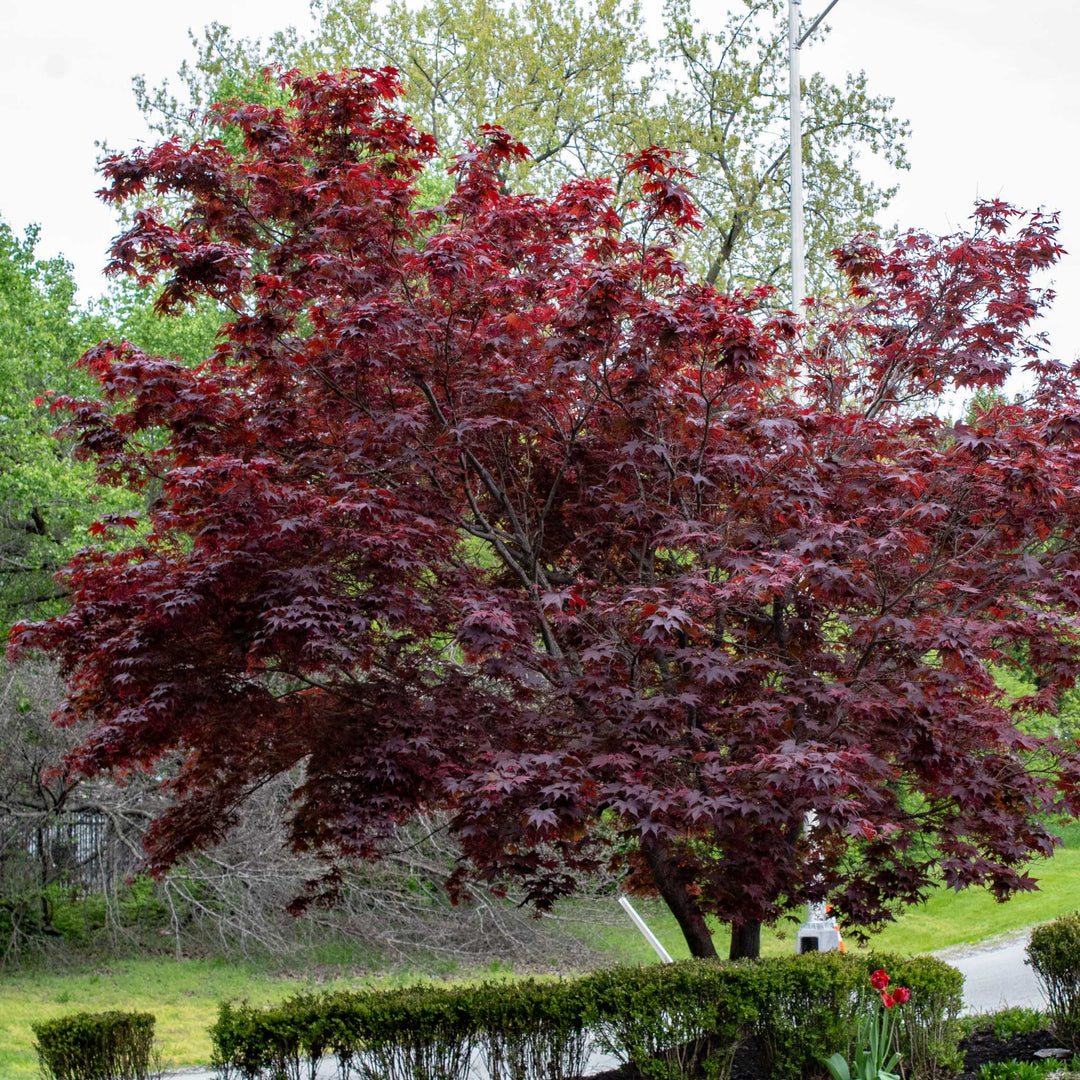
[1008,1022]
[1027,1070]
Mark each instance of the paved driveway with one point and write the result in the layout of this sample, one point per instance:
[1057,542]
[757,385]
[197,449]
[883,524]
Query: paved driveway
[995,973]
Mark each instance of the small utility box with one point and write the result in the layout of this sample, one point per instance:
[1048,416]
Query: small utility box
[819,933]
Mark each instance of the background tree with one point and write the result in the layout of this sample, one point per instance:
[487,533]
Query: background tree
[61,838]
[29,800]
[485,508]
[46,500]
[581,85]
[726,107]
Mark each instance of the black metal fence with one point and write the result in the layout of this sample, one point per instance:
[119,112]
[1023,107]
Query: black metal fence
[77,849]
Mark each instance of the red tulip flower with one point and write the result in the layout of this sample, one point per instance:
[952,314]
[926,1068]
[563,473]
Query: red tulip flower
[877,1051]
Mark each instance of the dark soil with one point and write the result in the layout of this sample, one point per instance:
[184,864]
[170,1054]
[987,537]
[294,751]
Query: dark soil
[984,1046]
[979,1048]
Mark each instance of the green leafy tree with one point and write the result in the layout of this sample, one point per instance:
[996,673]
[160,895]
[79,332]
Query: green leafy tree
[46,498]
[581,85]
[727,107]
[128,312]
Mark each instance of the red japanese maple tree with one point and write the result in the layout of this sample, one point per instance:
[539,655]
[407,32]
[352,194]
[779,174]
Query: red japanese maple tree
[486,507]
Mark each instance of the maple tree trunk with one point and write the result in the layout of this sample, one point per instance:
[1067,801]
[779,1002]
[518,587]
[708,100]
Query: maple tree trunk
[745,940]
[671,886]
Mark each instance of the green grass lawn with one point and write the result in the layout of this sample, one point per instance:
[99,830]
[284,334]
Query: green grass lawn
[947,918]
[184,994]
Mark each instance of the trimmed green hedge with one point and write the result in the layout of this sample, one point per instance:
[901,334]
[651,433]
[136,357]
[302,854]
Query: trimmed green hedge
[808,1007]
[530,1029]
[1054,955]
[97,1046]
[931,1031]
[670,1021]
[674,1020]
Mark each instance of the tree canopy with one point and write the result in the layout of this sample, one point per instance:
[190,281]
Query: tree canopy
[487,507]
[45,499]
[582,85]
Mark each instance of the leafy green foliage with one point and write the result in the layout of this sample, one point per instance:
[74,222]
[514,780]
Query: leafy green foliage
[675,1021]
[46,499]
[390,1036]
[1005,1023]
[127,312]
[415,1032]
[809,1008]
[535,1029]
[80,916]
[1054,955]
[669,1021]
[1027,1070]
[250,1042]
[97,1046]
[49,498]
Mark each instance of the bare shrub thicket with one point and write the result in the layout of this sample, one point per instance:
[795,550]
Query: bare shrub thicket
[71,843]
[234,898]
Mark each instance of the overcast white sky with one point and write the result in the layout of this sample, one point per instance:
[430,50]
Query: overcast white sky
[992,88]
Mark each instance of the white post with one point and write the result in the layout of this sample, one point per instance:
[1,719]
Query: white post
[649,936]
[794,90]
[814,912]
[795,172]
[819,933]
[819,929]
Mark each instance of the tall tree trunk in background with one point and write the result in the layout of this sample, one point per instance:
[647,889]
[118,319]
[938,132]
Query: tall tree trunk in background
[745,940]
[671,886]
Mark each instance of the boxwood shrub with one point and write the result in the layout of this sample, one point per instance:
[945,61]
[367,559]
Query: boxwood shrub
[1054,955]
[97,1046]
[807,1009]
[669,1021]
[673,1021]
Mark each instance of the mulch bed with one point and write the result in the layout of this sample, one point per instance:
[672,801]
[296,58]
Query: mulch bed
[979,1049]
[982,1047]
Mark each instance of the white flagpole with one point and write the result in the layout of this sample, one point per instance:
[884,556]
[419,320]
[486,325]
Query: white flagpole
[794,96]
